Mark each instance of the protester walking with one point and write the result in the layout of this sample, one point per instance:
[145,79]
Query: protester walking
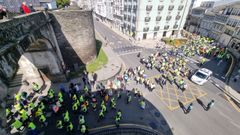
[24,9]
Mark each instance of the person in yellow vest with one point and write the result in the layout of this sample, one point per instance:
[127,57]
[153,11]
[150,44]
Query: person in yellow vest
[75,107]
[17,124]
[42,120]
[142,104]
[17,107]
[35,87]
[8,113]
[70,127]
[83,129]
[23,115]
[84,108]
[18,97]
[41,106]
[59,124]
[32,128]
[66,117]
[39,112]
[74,98]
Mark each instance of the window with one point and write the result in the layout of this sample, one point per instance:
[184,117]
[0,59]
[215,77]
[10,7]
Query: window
[166,27]
[147,19]
[160,7]
[158,18]
[149,7]
[178,17]
[180,7]
[170,7]
[175,26]
[146,29]
[156,28]
[168,18]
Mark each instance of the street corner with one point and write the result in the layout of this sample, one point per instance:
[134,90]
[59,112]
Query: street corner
[173,97]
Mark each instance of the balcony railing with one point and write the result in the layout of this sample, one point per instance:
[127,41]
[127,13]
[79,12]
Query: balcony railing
[166,27]
[170,7]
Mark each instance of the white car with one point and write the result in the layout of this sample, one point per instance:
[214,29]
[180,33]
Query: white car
[201,76]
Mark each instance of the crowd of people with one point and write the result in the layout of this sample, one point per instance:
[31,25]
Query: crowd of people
[67,103]
[23,9]
[78,99]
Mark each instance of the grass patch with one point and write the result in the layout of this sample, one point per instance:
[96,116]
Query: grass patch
[174,42]
[100,61]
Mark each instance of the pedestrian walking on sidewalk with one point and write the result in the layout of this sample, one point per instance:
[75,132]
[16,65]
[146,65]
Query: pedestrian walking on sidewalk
[210,105]
[189,108]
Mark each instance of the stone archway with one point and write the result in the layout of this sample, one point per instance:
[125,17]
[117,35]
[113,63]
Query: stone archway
[40,56]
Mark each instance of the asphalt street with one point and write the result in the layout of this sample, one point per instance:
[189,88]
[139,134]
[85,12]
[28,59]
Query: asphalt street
[222,119]
[120,45]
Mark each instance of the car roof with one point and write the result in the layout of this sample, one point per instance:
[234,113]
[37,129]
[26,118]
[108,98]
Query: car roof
[206,71]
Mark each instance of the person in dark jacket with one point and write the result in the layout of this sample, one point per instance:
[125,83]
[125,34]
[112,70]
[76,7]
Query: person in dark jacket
[31,8]
[3,12]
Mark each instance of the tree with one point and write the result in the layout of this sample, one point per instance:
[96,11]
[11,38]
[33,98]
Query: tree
[62,3]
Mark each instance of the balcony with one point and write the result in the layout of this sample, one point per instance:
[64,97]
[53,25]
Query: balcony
[146,29]
[166,27]
[156,28]
[180,7]
[147,19]
[168,18]
[149,8]
[158,18]
[160,7]
[178,17]
[171,7]
[175,26]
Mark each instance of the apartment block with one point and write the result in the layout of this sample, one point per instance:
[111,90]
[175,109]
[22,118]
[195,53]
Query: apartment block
[150,19]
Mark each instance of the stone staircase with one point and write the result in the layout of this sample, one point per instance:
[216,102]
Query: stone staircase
[18,79]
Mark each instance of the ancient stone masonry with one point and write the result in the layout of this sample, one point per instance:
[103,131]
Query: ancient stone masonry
[16,35]
[33,42]
[74,31]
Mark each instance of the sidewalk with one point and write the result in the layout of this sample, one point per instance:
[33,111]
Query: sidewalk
[114,66]
[142,43]
[233,87]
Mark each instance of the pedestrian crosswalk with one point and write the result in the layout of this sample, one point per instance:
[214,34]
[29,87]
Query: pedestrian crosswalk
[126,49]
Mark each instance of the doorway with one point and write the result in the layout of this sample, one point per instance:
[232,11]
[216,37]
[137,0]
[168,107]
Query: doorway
[144,35]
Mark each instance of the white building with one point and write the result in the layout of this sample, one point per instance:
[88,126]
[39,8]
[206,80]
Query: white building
[150,19]
[118,8]
[104,10]
[86,4]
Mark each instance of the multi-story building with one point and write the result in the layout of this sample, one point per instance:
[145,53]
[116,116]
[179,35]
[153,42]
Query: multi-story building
[150,19]
[196,15]
[223,25]
[14,5]
[118,14]
[86,4]
[104,10]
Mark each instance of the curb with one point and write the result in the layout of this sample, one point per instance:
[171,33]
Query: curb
[125,126]
[122,68]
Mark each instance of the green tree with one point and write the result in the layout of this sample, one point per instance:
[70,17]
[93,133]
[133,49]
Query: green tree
[62,3]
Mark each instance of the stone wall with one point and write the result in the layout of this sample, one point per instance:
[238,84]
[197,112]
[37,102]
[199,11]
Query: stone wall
[15,37]
[74,30]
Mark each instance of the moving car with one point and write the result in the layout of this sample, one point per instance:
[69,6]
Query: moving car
[201,76]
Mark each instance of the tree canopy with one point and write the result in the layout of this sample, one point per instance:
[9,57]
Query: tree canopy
[62,3]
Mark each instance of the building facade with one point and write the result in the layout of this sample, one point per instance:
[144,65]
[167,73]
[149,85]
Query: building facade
[104,10]
[223,25]
[150,19]
[118,8]
[86,4]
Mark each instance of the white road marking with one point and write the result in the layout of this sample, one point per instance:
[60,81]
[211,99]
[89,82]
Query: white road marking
[128,53]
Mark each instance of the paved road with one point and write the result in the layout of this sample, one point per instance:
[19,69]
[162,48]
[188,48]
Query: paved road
[119,45]
[222,119]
